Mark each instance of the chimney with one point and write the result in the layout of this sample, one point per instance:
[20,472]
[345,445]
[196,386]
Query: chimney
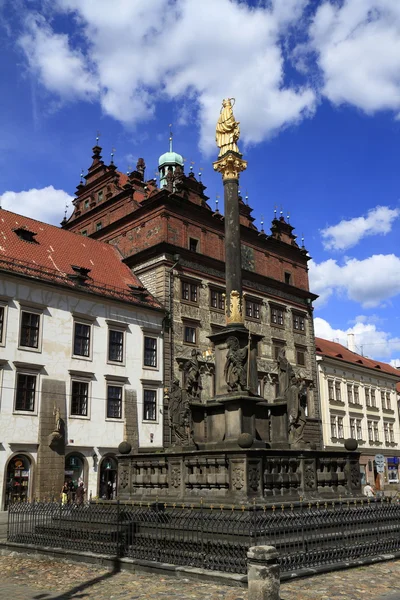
[350,342]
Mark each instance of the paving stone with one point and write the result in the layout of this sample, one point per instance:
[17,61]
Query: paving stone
[27,578]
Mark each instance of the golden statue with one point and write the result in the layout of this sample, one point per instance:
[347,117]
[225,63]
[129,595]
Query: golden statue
[227,131]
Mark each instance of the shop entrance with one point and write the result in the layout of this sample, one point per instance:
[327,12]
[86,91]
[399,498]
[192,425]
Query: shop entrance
[18,480]
[108,478]
[74,472]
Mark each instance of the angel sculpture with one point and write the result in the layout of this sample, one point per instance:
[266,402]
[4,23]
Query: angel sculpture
[235,370]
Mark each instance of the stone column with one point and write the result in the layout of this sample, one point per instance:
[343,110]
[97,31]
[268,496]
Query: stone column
[233,261]
[230,165]
[263,573]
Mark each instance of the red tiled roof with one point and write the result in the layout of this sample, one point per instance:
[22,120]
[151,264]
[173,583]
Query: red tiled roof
[337,351]
[52,253]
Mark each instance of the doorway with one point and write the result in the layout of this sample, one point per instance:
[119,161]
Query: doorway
[18,480]
[108,478]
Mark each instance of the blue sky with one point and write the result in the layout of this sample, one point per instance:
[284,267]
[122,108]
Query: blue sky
[317,88]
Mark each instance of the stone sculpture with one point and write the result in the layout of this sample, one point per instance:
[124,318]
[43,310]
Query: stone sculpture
[235,370]
[180,417]
[192,372]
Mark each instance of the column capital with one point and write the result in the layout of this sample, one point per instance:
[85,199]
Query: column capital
[230,165]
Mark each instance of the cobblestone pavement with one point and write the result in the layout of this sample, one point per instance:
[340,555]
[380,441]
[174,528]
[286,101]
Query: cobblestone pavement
[25,578]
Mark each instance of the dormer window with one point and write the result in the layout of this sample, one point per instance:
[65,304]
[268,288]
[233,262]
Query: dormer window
[86,205]
[100,196]
[26,235]
[98,226]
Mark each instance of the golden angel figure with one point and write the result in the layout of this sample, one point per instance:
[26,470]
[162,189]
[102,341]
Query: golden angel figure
[227,131]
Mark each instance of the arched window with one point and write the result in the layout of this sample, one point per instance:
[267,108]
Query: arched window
[18,479]
[74,469]
[108,478]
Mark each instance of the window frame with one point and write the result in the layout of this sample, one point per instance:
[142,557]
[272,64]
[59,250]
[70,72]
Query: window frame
[338,391]
[26,373]
[155,338]
[122,331]
[340,427]
[255,308]
[89,324]
[39,313]
[80,380]
[195,327]
[192,239]
[3,323]
[155,391]
[333,425]
[114,384]
[279,310]
[277,346]
[219,299]
[303,351]
[193,291]
[301,321]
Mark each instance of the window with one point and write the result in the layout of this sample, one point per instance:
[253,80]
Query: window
[388,401]
[331,390]
[391,433]
[84,232]
[114,402]
[81,339]
[356,395]
[376,431]
[359,429]
[189,335]
[193,244]
[301,357]
[277,316]
[2,323]
[350,393]
[253,310]
[299,323]
[189,291]
[340,427]
[337,391]
[288,278]
[217,299]
[115,345]
[373,399]
[367,396]
[383,399]
[150,352]
[386,432]
[98,226]
[30,325]
[100,196]
[277,347]
[370,432]
[333,427]
[25,393]
[353,428]
[149,405]
[79,398]
[86,204]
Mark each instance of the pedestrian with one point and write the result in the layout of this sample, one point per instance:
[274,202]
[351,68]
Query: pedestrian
[71,491]
[64,494]
[80,493]
[368,490]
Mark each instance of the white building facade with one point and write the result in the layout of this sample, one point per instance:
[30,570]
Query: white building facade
[359,400]
[79,360]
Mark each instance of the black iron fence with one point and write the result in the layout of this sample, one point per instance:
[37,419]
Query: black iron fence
[306,535]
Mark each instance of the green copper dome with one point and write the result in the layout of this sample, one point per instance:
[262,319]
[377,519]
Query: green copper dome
[170,158]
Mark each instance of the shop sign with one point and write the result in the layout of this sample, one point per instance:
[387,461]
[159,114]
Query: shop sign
[380,463]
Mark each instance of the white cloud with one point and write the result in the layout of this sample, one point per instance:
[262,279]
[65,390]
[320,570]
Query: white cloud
[369,281]
[369,340]
[129,55]
[46,204]
[358,47]
[346,234]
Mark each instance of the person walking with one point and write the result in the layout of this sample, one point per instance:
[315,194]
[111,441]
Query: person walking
[368,490]
[80,493]
[64,494]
